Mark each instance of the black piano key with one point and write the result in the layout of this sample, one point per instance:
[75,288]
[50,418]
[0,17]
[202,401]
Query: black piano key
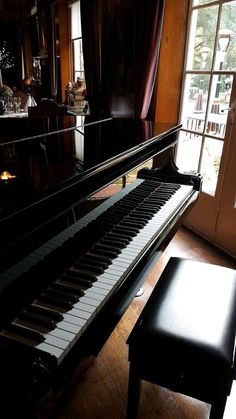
[37,319]
[150,208]
[134,224]
[76,280]
[107,246]
[146,209]
[81,273]
[117,237]
[105,250]
[88,261]
[51,314]
[156,204]
[108,255]
[88,267]
[97,258]
[125,208]
[160,197]
[124,231]
[62,294]
[55,301]
[140,216]
[113,242]
[25,332]
[68,288]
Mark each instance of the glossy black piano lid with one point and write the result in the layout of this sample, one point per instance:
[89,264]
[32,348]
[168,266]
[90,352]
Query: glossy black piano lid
[46,164]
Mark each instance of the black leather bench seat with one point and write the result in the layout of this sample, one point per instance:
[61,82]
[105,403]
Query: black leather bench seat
[184,338]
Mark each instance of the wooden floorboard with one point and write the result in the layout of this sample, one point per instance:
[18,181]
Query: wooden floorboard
[99,390]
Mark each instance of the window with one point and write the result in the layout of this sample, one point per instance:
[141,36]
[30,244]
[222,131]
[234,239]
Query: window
[77,88]
[76,39]
[208,76]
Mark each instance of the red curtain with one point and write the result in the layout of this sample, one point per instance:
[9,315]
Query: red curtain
[121,42]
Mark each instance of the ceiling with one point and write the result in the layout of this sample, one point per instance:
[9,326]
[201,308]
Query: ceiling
[15,11]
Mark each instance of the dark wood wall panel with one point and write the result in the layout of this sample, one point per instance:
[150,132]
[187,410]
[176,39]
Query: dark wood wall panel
[171,60]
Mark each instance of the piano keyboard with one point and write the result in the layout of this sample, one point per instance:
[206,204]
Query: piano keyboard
[57,318]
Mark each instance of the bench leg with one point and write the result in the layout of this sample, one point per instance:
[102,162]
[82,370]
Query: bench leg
[218,408]
[133,393]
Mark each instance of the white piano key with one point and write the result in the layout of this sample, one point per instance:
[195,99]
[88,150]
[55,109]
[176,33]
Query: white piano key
[79,313]
[54,341]
[68,327]
[93,295]
[78,321]
[106,287]
[98,290]
[91,301]
[57,332]
[117,269]
[108,280]
[86,307]
[108,274]
[56,352]
[62,334]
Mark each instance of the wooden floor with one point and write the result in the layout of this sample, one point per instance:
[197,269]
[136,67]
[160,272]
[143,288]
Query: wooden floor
[100,388]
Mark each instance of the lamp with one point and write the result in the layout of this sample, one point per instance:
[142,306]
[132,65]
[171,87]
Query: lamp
[5,175]
[224,36]
[204,53]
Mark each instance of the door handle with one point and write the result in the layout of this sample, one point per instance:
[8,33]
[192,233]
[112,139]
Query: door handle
[231,109]
[226,109]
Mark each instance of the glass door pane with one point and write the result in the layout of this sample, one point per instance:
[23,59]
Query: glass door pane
[202,38]
[195,102]
[208,81]
[226,46]
[211,157]
[218,105]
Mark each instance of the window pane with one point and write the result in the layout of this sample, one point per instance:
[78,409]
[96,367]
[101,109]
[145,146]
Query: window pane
[212,152]
[80,120]
[226,47]
[202,37]
[75,20]
[219,103]
[188,152]
[79,74]
[197,2]
[78,55]
[195,101]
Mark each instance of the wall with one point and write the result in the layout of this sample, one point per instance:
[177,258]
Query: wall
[171,61]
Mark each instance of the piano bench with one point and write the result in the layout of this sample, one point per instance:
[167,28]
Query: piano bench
[184,338]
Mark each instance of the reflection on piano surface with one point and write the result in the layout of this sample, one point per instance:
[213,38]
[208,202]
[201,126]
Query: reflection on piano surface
[70,263]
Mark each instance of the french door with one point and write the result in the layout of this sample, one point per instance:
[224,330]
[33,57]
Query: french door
[207,141]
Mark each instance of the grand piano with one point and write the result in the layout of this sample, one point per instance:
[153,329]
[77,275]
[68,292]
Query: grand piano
[76,237]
